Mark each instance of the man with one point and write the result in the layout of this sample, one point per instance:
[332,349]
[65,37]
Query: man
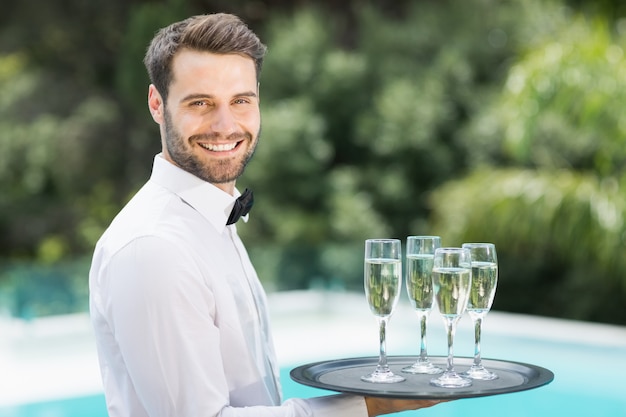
[179,314]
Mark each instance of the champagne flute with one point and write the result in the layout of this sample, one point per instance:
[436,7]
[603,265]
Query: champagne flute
[484,281]
[383,279]
[452,276]
[420,251]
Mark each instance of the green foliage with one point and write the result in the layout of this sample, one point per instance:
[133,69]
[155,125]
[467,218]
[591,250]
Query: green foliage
[364,132]
[562,104]
[69,153]
[559,237]
[558,217]
[143,21]
[43,152]
[368,109]
[528,211]
[414,114]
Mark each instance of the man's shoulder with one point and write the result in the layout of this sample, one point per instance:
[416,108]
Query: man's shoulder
[158,213]
[139,217]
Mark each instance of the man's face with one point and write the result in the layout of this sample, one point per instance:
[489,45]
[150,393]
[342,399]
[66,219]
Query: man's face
[211,121]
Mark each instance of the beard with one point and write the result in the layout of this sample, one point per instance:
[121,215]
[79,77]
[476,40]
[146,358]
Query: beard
[219,171]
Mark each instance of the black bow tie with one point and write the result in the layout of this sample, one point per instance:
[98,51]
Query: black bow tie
[242,206]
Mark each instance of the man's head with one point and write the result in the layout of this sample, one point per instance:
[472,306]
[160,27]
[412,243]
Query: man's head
[216,33]
[204,95]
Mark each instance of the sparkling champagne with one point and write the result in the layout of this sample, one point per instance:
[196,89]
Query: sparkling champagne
[419,281]
[484,281]
[383,278]
[452,287]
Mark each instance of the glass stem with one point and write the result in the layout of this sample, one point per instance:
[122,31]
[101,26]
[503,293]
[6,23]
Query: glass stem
[382,358]
[451,324]
[423,317]
[477,331]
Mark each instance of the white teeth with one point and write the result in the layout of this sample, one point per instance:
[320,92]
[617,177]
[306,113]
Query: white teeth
[219,147]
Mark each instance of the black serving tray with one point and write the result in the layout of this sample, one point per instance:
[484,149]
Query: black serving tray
[344,375]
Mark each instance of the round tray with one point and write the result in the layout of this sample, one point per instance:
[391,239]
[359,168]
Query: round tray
[344,375]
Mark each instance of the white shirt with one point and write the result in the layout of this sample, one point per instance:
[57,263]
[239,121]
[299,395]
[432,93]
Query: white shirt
[180,317]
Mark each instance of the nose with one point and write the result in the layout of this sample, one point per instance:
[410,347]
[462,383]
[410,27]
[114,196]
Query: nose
[223,121]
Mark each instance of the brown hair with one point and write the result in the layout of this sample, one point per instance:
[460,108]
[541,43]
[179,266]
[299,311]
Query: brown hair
[218,33]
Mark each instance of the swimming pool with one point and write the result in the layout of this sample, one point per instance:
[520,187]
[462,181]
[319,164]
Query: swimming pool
[568,395]
[588,360]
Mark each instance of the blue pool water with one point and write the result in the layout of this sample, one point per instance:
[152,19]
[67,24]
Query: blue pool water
[546,401]
[586,384]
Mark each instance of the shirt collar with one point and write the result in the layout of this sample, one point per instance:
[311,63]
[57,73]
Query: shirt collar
[210,201]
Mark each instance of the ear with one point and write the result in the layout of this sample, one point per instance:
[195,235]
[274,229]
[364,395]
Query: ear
[155,104]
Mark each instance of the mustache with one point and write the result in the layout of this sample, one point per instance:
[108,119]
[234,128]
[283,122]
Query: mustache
[235,137]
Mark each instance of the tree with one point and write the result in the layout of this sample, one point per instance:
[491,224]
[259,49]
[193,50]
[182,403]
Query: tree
[556,205]
[368,107]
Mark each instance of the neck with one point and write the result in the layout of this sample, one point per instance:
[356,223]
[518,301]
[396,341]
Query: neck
[227,187]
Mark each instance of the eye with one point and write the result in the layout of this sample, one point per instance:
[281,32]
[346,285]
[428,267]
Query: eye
[241,101]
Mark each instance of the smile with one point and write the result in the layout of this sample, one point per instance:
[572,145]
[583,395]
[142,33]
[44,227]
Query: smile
[219,147]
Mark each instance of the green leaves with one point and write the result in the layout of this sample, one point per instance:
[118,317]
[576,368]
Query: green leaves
[374,125]
[562,104]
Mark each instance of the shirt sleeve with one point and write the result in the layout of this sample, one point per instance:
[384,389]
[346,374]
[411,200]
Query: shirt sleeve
[340,405]
[163,318]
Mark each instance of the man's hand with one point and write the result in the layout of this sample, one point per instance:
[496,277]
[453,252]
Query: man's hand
[377,406]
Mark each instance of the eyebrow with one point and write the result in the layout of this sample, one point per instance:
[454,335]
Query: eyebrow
[197,96]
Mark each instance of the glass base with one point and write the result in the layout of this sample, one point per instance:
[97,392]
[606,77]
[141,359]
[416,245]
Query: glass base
[451,380]
[382,377]
[422,367]
[479,372]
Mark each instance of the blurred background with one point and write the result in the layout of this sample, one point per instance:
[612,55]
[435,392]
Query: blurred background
[475,120]
[481,120]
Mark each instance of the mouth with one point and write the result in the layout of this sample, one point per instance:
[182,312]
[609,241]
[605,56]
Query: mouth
[220,147]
